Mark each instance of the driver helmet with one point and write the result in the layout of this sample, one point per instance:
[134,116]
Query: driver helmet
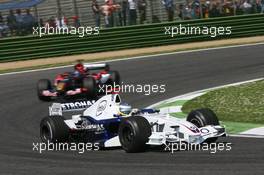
[77,74]
[125,109]
[80,68]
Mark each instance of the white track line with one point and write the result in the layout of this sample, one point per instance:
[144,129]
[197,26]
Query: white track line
[138,57]
[246,136]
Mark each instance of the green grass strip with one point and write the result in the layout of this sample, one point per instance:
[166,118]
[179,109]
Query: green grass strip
[243,103]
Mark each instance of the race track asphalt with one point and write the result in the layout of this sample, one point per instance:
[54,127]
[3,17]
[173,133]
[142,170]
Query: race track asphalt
[21,113]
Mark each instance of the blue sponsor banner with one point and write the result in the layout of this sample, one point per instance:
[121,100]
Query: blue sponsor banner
[17,4]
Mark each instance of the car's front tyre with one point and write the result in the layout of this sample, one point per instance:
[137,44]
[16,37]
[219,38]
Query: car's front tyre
[53,129]
[114,78]
[203,117]
[42,85]
[134,133]
[90,85]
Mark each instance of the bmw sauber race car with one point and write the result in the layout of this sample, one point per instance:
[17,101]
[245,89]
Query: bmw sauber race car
[111,123]
[83,81]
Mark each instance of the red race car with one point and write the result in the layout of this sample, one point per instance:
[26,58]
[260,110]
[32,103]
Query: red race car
[86,80]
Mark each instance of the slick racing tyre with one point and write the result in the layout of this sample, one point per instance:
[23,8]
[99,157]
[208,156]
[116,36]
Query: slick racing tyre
[114,78]
[90,85]
[53,129]
[43,84]
[203,117]
[134,133]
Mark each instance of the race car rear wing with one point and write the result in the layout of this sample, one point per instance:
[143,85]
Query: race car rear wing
[97,66]
[56,109]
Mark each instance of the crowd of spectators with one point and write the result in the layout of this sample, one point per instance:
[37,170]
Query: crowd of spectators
[130,12]
[116,13]
[217,8]
[121,13]
[17,23]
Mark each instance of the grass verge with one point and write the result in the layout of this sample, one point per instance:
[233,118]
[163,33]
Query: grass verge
[243,103]
[239,108]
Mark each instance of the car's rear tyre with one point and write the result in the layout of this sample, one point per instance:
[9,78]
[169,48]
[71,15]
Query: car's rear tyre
[43,85]
[203,117]
[90,85]
[114,78]
[134,133]
[53,129]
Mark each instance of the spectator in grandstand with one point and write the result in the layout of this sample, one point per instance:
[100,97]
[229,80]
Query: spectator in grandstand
[115,14]
[76,21]
[142,8]
[107,12]
[19,22]
[246,7]
[187,12]
[258,6]
[124,12]
[96,12]
[237,8]
[107,9]
[169,6]
[214,11]
[181,7]
[11,22]
[61,22]
[228,9]
[29,22]
[206,8]
[3,27]
[195,12]
[118,15]
[50,23]
[1,17]
[262,6]
[132,12]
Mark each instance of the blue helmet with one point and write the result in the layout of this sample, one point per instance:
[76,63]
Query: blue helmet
[125,108]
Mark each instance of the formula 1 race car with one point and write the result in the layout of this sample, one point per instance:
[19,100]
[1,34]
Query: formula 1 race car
[84,81]
[111,123]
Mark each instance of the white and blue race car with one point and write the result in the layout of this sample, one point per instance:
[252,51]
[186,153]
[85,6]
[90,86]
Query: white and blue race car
[111,123]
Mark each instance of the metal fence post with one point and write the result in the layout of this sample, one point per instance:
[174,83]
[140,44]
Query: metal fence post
[75,8]
[59,12]
[152,11]
[201,9]
[36,14]
[234,7]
